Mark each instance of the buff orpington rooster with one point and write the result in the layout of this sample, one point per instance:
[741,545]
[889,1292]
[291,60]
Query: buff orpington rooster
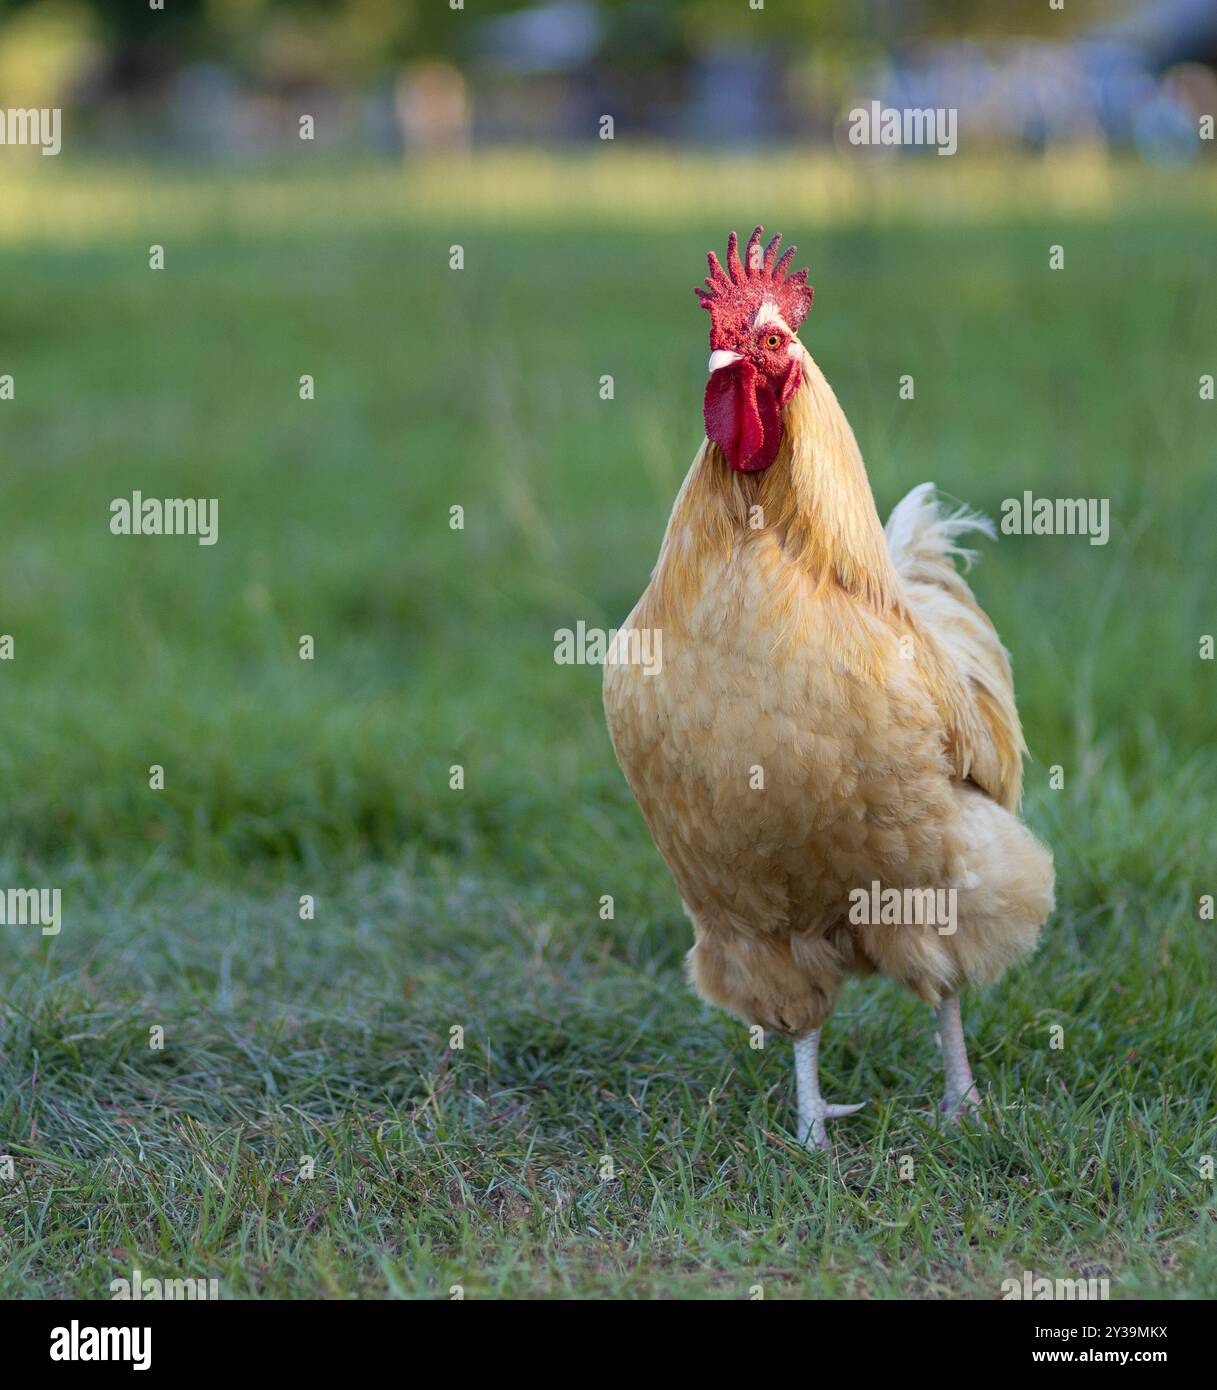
[833,717]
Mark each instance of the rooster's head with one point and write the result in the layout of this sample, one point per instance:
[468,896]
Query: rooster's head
[755,358]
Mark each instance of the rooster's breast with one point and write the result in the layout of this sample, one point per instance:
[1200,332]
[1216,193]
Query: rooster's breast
[780,753]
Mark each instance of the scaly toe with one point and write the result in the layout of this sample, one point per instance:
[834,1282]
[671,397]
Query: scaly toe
[839,1112]
[813,1133]
[954,1109]
[817,1140]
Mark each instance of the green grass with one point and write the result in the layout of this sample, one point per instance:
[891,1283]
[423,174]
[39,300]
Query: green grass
[478,909]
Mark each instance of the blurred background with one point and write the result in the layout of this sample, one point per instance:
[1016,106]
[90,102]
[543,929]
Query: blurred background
[431,127]
[226,80]
[1082,129]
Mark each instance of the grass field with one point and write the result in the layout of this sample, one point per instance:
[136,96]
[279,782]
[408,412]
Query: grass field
[478,909]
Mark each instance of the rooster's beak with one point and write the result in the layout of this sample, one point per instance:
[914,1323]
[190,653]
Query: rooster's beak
[722,359]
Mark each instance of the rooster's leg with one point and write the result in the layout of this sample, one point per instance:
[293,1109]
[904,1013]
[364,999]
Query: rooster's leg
[813,1109]
[960,1095]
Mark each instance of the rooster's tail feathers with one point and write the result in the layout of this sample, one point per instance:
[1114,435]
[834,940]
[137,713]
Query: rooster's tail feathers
[922,538]
[923,541]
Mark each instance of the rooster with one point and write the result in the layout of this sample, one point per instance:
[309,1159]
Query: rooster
[833,717]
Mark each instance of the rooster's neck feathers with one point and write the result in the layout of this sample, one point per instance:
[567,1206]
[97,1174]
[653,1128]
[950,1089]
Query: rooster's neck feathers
[815,501]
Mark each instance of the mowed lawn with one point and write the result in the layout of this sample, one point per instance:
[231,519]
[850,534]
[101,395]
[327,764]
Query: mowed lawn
[307,1128]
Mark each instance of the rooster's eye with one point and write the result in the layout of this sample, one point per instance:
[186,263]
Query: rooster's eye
[773,341]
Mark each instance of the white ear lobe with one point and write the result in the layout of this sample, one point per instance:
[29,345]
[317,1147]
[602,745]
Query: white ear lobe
[793,348]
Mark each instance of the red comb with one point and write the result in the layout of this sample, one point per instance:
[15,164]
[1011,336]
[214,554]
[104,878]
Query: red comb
[736,293]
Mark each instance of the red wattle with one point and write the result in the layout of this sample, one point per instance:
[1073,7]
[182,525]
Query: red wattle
[743,417]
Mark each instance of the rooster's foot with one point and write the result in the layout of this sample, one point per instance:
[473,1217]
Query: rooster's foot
[813,1108]
[960,1100]
[813,1133]
[956,1107]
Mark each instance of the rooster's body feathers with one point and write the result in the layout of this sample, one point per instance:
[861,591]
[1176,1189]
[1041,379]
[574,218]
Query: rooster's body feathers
[833,711]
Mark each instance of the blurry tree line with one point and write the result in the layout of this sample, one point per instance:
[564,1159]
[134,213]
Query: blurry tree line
[227,78]
[352,41]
